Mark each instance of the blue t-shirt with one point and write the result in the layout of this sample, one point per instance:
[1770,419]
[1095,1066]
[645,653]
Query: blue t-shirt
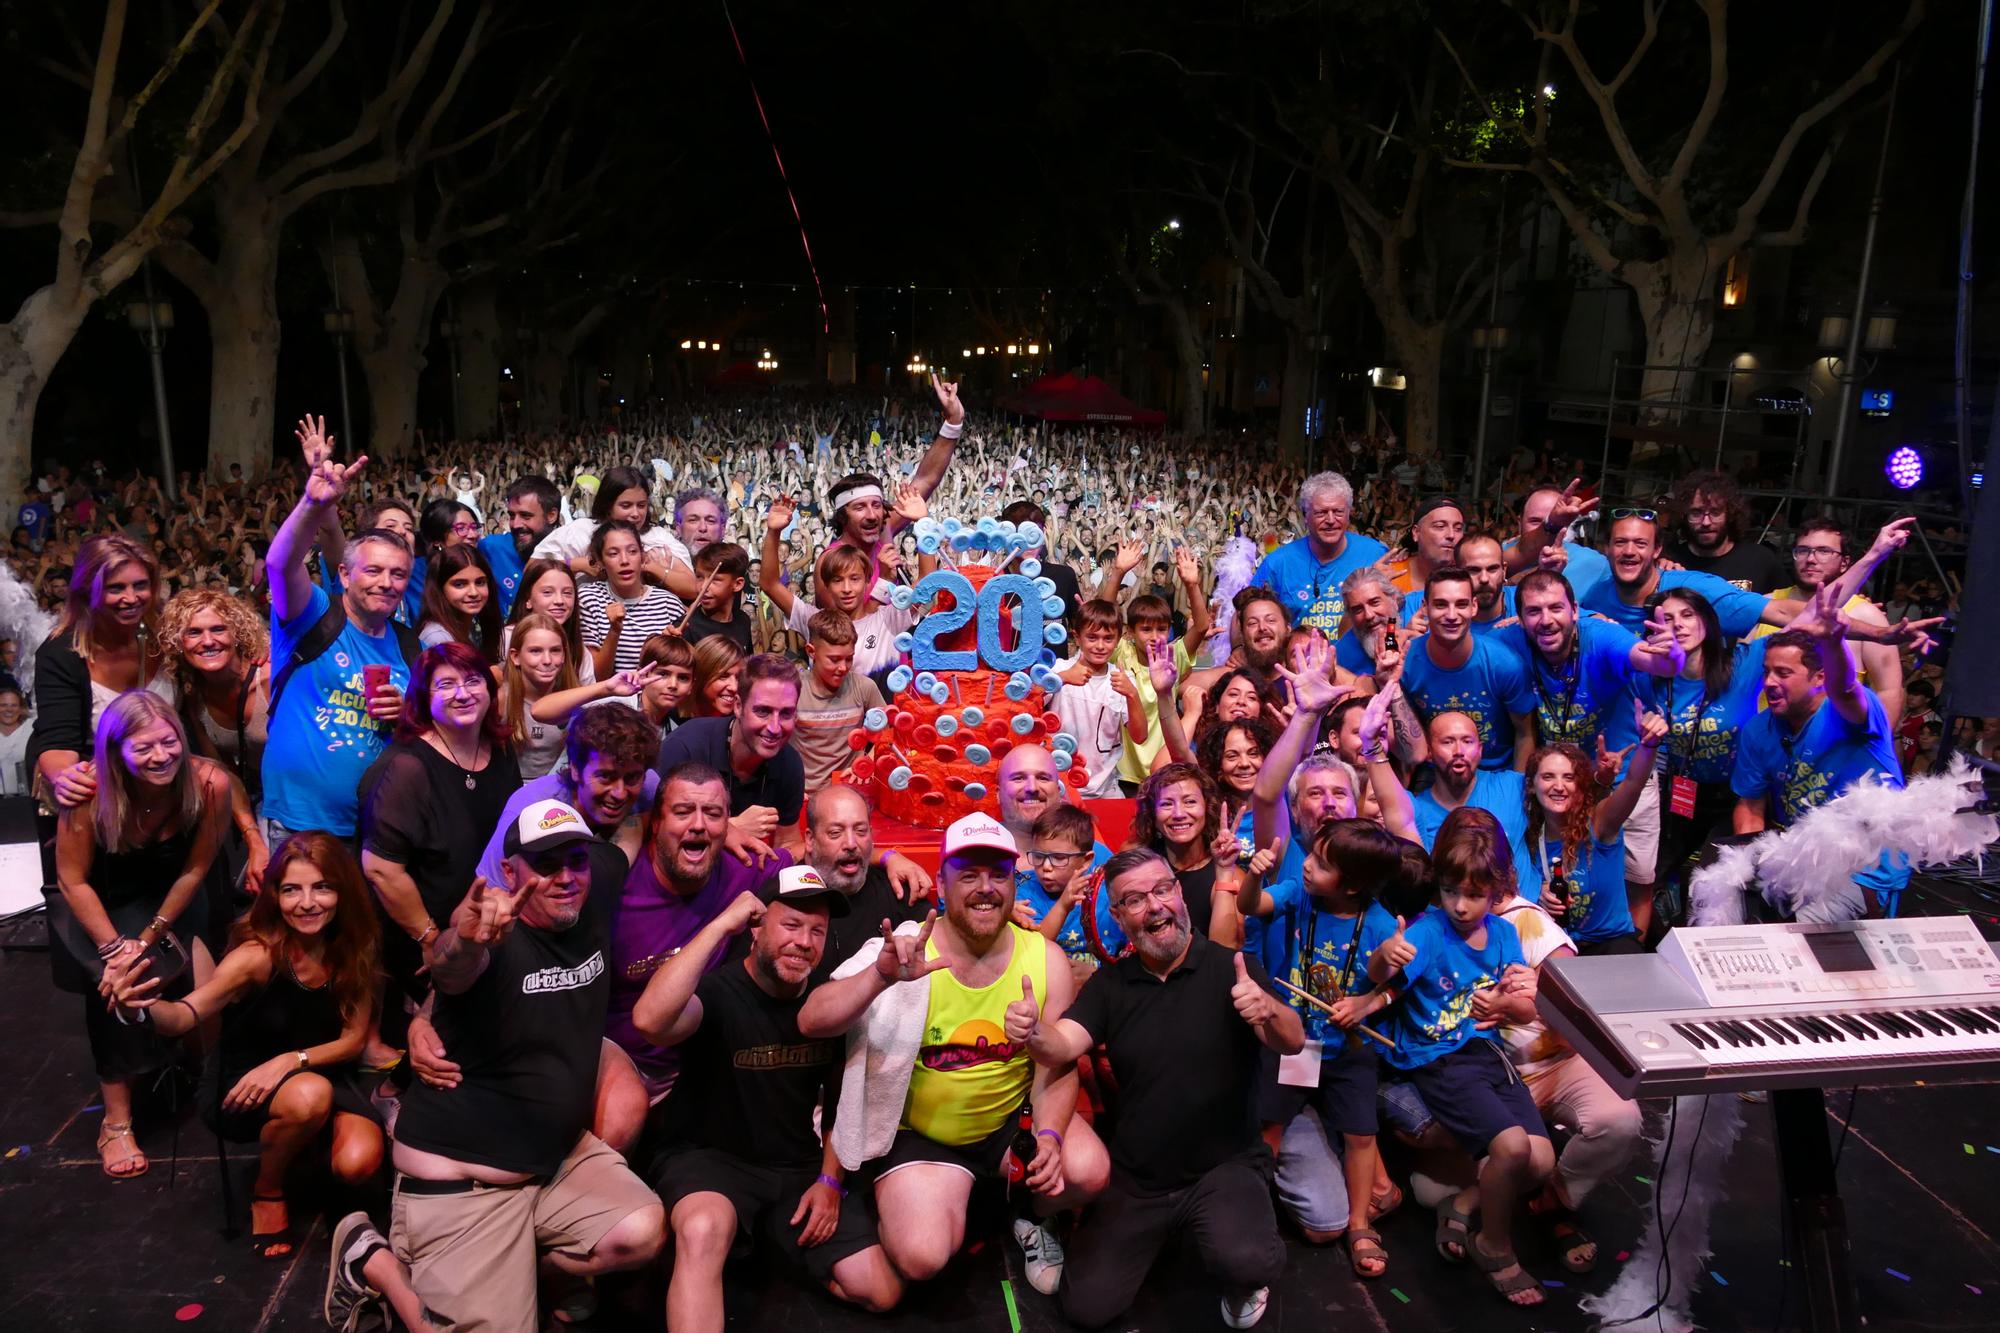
[1597,906]
[1589,695]
[1704,732]
[1434,1016]
[1321,949]
[1349,653]
[1072,940]
[36,517]
[1829,755]
[1737,610]
[1482,628]
[1309,589]
[504,559]
[1492,685]
[322,739]
[1504,796]
[1587,568]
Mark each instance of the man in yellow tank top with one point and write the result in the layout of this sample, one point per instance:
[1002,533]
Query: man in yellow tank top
[962,1112]
[1819,555]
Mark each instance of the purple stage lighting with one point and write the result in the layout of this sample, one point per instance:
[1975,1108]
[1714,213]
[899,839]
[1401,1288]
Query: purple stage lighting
[1905,467]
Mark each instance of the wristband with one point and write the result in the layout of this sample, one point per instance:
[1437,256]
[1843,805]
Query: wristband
[1227,887]
[832,1184]
[159,924]
[1052,1134]
[113,949]
[950,430]
[429,932]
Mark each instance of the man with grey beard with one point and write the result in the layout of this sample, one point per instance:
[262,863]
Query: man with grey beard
[1183,1020]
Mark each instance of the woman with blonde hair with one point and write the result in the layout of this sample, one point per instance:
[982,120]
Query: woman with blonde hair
[130,861]
[539,690]
[715,690]
[295,993]
[548,587]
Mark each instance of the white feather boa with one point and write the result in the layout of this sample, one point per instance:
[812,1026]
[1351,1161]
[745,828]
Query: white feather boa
[22,621]
[1850,833]
[1233,572]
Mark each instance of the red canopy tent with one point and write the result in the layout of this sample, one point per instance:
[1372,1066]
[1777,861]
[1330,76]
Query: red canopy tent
[1086,398]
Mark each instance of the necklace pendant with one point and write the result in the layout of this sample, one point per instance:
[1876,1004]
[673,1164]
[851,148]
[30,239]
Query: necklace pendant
[471,783]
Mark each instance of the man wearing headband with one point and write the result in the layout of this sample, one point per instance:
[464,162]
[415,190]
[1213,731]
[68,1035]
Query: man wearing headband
[859,503]
[1433,545]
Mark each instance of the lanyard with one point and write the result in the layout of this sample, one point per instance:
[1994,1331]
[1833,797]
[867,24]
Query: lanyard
[1309,942]
[1561,726]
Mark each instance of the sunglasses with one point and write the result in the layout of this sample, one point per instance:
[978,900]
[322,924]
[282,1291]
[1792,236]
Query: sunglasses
[549,863]
[1650,515]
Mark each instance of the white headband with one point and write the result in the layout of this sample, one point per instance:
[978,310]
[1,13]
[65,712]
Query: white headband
[842,499]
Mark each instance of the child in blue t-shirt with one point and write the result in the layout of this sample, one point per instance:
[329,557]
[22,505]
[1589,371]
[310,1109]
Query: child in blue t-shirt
[1337,926]
[1459,974]
[1065,856]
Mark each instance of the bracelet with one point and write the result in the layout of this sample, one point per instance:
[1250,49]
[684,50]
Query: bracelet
[426,935]
[158,925]
[1230,887]
[950,430]
[1052,1134]
[113,949]
[832,1184]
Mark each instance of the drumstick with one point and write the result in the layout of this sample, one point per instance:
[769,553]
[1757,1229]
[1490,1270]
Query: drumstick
[701,592]
[1322,1004]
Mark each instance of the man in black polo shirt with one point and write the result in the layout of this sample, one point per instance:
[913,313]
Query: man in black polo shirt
[502,1169]
[1183,1020]
[753,752]
[751,1163]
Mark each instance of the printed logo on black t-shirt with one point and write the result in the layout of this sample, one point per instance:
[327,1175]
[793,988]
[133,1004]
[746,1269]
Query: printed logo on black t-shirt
[564,978]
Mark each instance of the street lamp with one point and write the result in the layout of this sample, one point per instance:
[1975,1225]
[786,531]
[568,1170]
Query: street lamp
[151,319]
[340,323]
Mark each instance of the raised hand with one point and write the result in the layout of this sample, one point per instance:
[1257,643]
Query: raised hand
[1569,507]
[1265,859]
[1187,568]
[1653,727]
[744,911]
[1311,679]
[1553,558]
[1609,761]
[1123,686]
[314,442]
[902,957]
[486,916]
[1397,951]
[1024,1015]
[947,396]
[1892,536]
[1375,722]
[910,504]
[1225,850]
[1160,666]
[625,684]
[1130,552]
[781,513]
[1253,1003]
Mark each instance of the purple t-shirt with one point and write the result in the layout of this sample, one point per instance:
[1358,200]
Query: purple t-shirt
[653,922]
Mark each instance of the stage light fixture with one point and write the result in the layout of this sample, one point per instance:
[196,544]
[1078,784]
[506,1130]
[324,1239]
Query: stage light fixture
[1905,467]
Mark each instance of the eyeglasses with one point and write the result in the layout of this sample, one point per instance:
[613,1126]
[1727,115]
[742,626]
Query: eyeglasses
[1132,902]
[465,529]
[1054,858]
[470,686]
[562,858]
[1815,553]
[1650,515]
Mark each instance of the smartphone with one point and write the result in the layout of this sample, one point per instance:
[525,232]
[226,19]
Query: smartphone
[373,677]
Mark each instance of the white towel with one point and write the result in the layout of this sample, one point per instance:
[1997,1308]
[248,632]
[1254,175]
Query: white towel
[881,1054]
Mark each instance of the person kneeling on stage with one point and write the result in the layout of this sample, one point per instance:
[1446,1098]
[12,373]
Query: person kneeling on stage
[951,1119]
[502,1171]
[1460,973]
[753,1164]
[1185,1023]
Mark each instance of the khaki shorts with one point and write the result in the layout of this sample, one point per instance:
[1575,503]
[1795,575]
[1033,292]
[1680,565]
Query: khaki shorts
[1642,835]
[471,1255]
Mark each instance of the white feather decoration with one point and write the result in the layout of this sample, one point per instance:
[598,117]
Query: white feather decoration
[1233,571]
[22,621]
[1689,1184]
[1830,843]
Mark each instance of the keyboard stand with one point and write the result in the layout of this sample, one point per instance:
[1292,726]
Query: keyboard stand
[1819,1219]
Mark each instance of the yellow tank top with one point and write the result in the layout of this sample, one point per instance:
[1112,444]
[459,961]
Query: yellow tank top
[969,1078]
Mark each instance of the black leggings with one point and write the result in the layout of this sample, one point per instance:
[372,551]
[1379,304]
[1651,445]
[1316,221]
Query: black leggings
[1682,837]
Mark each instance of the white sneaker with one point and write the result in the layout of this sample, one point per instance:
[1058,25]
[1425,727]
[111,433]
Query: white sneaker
[1045,1255]
[1244,1312]
[351,1306]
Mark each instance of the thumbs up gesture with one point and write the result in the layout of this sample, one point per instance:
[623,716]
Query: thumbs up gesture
[1397,951]
[1024,1016]
[1253,1003]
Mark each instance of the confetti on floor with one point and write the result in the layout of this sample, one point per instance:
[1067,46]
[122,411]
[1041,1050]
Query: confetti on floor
[1551,1282]
[1622,1255]
[1720,1280]
[1397,1292]
[188,1312]
[1013,1314]
[1643,1180]
[1974,1290]
[1970,1151]
[1893,1273]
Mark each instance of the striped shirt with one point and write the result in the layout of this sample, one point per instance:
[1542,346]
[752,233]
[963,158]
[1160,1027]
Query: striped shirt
[645,616]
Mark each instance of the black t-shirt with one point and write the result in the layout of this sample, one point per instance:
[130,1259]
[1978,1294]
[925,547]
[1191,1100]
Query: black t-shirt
[780,784]
[1186,1065]
[735,629]
[1197,891]
[753,1079]
[417,811]
[871,904]
[526,1037]
[1747,564]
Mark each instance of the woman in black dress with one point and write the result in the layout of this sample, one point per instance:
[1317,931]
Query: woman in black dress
[296,993]
[130,862]
[428,804]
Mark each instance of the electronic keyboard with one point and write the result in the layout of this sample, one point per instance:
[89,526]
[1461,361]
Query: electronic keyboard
[1729,1008]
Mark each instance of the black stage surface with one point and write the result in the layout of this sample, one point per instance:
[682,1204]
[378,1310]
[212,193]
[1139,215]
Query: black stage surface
[1920,1173]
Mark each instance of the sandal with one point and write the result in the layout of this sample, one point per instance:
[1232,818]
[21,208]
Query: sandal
[1381,1205]
[1364,1247]
[279,1244]
[124,1168]
[1579,1252]
[1453,1228]
[1509,1287]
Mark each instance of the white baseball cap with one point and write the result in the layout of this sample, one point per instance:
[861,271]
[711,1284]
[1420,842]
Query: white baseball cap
[978,830]
[545,826]
[802,884]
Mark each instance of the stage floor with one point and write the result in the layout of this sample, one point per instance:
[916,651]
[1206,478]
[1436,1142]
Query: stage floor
[1920,1174]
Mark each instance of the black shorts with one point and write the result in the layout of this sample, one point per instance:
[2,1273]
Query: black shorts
[1345,1097]
[1475,1093]
[765,1197]
[982,1159]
